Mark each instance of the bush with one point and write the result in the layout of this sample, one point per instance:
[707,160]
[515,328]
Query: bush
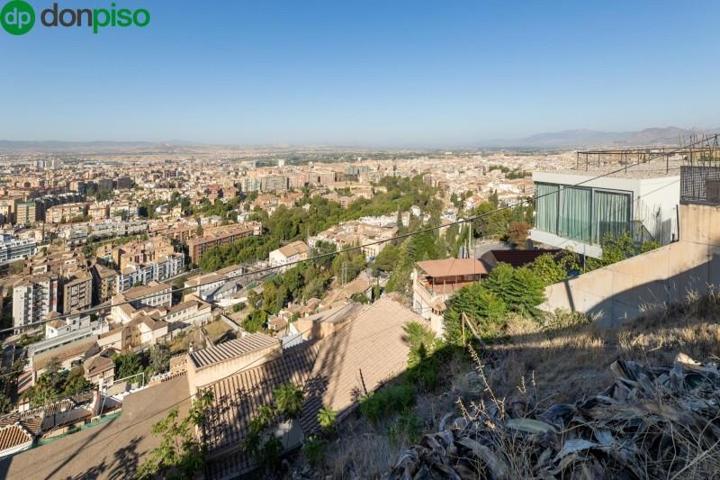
[423,358]
[484,308]
[521,289]
[406,427]
[548,269]
[255,321]
[314,450]
[326,418]
[387,401]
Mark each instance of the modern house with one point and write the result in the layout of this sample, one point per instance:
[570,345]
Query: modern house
[651,281]
[435,281]
[576,210]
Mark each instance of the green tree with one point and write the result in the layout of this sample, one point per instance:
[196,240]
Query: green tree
[387,259]
[519,288]
[326,418]
[288,400]
[180,454]
[548,269]
[159,359]
[127,364]
[481,306]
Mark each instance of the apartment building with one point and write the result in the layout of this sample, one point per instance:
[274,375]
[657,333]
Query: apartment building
[13,249]
[76,291]
[142,252]
[215,236]
[154,294]
[290,253]
[99,211]
[34,298]
[26,212]
[159,270]
[105,281]
[250,184]
[7,210]
[273,183]
[65,212]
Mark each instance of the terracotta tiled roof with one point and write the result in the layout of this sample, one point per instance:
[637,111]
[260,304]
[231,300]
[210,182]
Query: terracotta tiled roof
[13,436]
[450,267]
[238,397]
[98,365]
[232,349]
[294,248]
[327,370]
[372,343]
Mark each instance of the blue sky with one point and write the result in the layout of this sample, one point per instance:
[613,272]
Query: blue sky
[386,72]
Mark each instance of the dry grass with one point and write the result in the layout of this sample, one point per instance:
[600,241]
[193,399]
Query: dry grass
[571,357]
[566,359]
[216,329]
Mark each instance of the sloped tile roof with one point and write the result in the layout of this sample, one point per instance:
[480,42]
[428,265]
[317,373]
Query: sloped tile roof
[13,436]
[232,349]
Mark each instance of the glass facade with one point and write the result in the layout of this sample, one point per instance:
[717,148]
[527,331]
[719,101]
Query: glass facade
[580,213]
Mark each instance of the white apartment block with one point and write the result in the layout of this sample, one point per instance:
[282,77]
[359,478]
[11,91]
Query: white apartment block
[166,268]
[34,298]
[13,249]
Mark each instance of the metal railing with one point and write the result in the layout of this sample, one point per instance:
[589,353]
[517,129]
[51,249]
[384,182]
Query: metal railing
[700,184]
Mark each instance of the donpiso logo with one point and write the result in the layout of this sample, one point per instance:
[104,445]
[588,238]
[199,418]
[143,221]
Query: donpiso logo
[18,17]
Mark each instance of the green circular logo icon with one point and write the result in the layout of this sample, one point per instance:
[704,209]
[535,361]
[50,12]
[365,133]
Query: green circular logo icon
[17,17]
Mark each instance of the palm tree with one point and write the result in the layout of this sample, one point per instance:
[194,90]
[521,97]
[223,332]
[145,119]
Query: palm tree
[289,399]
[326,418]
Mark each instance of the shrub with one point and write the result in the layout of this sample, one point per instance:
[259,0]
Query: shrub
[406,427]
[314,450]
[548,269]
[484,308]
[423,357]
[521,289]
[255,321]
[389,400]
[326,418]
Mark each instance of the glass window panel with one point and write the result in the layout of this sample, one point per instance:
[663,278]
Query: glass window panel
[546,207]
[575,213]
[611,215]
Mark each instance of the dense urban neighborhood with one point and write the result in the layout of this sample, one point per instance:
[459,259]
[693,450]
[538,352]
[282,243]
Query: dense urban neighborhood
[359,240]
[283,296]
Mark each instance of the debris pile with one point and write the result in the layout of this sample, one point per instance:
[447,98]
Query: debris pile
[652,422]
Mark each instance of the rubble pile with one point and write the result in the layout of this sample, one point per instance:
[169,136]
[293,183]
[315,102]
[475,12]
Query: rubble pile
[652,422]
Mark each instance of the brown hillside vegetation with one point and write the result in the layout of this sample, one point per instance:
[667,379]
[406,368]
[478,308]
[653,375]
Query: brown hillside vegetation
[569,400]
[567,360]
[570,356]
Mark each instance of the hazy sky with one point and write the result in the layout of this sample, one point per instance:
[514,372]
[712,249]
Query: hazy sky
[385,72]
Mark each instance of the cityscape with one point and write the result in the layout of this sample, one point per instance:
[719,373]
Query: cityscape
[413,275]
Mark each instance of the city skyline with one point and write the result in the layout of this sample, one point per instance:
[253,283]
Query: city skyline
[375,75]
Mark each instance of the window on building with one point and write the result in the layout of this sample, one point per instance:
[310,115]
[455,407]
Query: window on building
[611,214]
[582,214]
[546,207]
[574,220]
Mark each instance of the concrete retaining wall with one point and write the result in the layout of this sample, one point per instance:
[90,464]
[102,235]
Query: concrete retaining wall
[649,281]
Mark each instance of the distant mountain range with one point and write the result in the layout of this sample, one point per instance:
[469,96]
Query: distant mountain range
[593,138]
[581,138]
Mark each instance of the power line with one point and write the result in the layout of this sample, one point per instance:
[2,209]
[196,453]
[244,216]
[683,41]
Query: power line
[361,247]
[406,235]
